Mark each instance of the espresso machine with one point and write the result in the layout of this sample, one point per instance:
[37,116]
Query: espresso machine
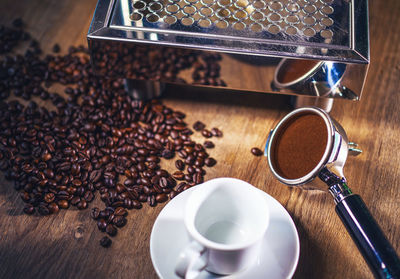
[315,50]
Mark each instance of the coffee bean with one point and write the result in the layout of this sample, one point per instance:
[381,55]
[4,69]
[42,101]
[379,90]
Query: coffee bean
[151,200]
[198,178]
[120,211]
[56,48]
[111,230]
[29,209]
[209,144]
[95,213]
[49,197]
[136,204]
[160,198]
[119,221]
[198,126]
[63,204]
[206,133]
[102,224]
[105,242]
[95,176]
[216,132]
[167,154]
[75,200]
[180,165]
[256,151]
[82,204]
[210,162]
[53,208]
[18,23]
[179,175]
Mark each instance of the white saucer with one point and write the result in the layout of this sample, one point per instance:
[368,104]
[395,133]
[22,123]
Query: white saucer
[279,253]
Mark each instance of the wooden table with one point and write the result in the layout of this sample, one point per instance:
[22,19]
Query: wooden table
[66,245]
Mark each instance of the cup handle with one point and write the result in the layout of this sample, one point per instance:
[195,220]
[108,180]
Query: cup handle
[192,260]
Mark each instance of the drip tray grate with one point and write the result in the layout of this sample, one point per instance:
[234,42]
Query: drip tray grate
[301,18]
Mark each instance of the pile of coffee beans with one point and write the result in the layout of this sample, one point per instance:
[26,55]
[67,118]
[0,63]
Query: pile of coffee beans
[92,138]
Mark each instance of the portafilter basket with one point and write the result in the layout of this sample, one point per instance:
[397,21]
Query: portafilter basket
[234,44]
[366,233]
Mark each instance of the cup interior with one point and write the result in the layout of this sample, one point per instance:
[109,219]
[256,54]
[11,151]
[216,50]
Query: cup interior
[227,212]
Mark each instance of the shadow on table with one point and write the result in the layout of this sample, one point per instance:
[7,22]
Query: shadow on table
[227,97]
[42,260]
[311,262]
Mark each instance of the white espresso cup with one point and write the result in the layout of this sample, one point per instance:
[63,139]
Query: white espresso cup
[226,219]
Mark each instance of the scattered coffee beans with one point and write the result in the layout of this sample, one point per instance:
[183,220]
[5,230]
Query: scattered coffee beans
[92,138]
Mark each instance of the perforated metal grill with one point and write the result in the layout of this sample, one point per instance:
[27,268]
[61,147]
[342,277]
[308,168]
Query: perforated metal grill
[306,18]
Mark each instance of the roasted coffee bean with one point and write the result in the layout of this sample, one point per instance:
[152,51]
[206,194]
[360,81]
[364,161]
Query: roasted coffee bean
[105,242]
[198,126]
[82,204]
[18,23]
[119,221]
[198,178]
[210,162]
[183,154]
[256,151]
[199,162]
[120,211]
[76,182]
[216,132]
[163,182]
[206,133]
[151,200]
[167,154]
[179,175]
[56,48]
[29,209]
[173,194]
[95,213]
[53,208]
[95,176]
[49,197]
[102,224]
[75,200]
[136,204]
[180,165]
[63,204]
[209,144]
[191,170]
[111,230]
[88,196]
[129,182]
[160,198]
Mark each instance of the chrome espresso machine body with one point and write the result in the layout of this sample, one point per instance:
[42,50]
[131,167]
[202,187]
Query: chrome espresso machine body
[315,48]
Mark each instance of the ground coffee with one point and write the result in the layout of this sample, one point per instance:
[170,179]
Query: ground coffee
[300,146]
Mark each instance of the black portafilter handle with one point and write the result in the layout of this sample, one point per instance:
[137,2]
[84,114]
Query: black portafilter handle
[363,229]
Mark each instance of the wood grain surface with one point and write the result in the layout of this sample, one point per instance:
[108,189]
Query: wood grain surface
[66,245]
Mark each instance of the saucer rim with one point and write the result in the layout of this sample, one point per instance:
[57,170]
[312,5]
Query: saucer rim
[277,204]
